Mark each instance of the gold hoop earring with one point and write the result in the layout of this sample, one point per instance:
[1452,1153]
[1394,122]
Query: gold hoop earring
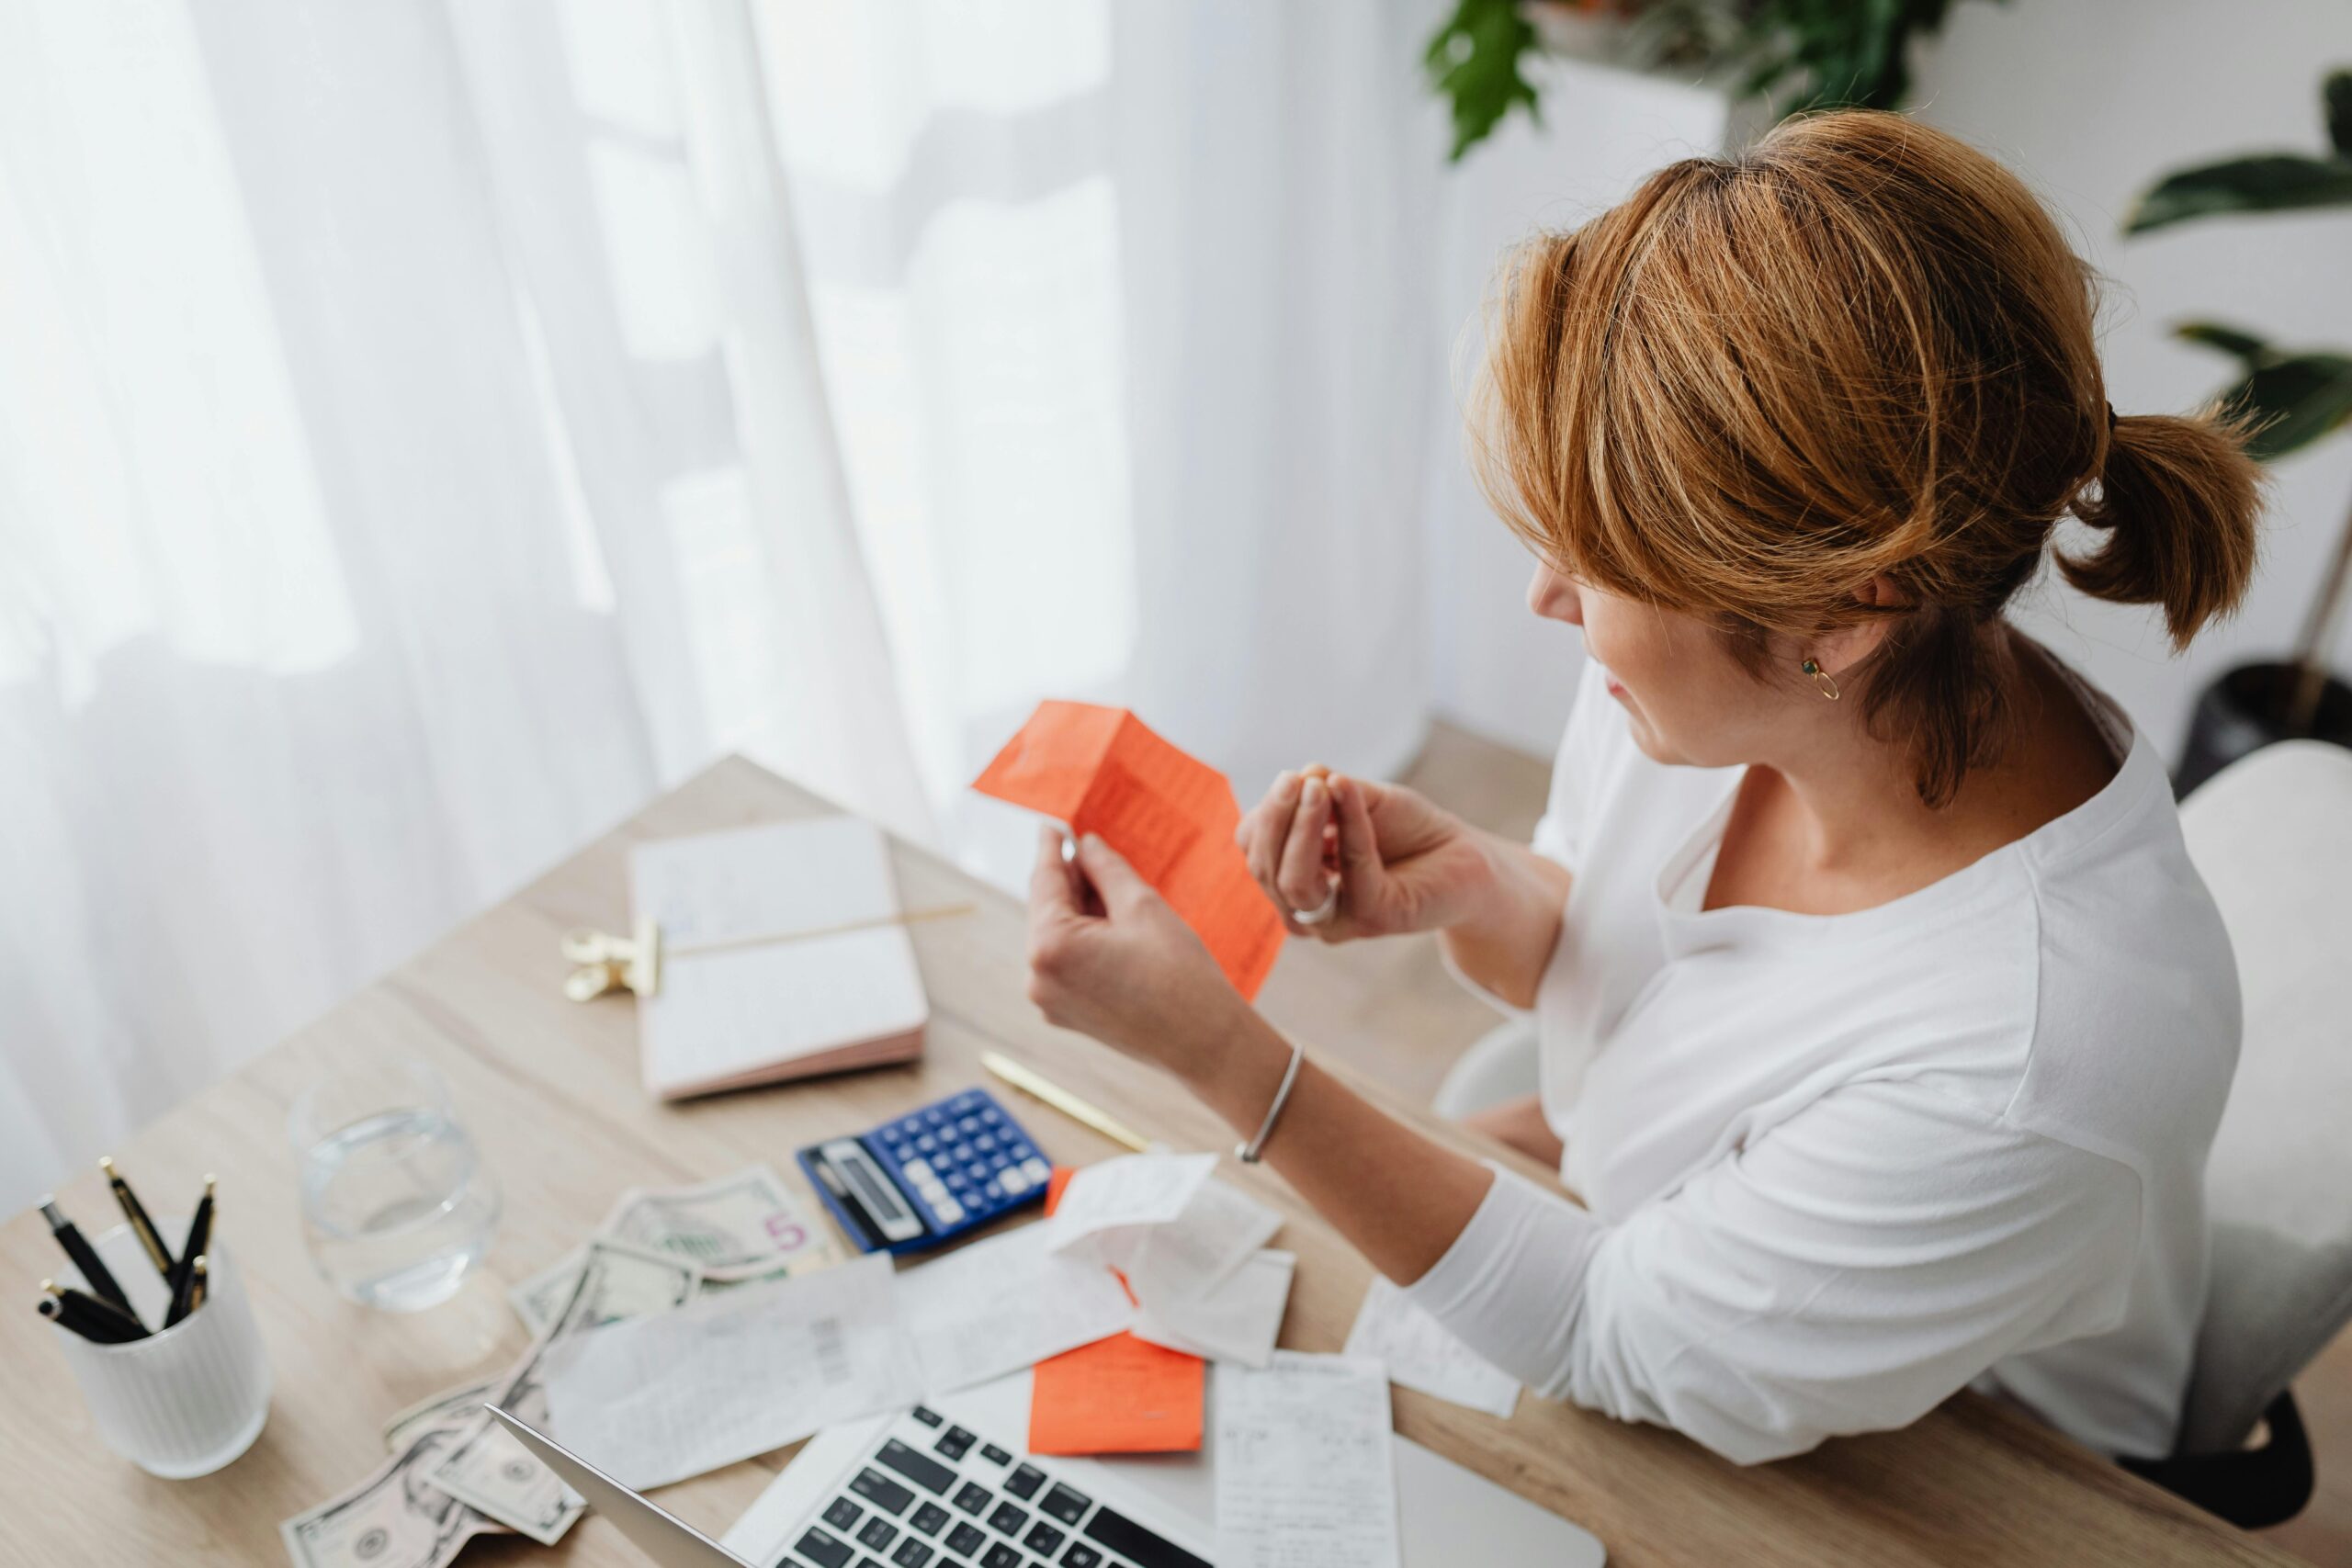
[1821,679]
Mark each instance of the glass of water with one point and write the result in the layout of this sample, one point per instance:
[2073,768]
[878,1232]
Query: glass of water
[397,1204]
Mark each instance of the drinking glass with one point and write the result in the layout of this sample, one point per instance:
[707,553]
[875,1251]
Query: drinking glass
[397,1205]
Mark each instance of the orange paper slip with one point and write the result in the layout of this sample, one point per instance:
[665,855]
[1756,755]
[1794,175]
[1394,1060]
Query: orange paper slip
[1118,1395]
[1100,771]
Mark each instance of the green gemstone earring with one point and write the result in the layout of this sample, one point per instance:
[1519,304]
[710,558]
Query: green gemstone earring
[1820,678]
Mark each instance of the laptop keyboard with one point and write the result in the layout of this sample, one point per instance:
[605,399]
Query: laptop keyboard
[933,1494]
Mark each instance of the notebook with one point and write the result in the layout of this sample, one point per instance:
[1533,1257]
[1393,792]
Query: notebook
[781,957]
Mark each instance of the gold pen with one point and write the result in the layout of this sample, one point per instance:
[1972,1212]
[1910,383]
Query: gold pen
[198,1287]
[1061,1099]
[136,1212]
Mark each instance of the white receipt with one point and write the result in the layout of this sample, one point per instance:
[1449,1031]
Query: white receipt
[1220,1227]
[655,1400]
[1115,1199]
[1235,1321]
[1421,1354]
[1004,1304]
[1305,1465]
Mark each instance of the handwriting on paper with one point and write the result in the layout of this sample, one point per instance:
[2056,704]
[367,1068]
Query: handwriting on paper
[1305,1465]
[1100,771]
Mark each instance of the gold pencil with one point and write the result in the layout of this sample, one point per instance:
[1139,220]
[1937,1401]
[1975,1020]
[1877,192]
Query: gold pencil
[1061,1099]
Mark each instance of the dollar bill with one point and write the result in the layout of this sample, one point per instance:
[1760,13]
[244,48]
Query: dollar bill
[630,1283]
[451,1407]
[747,1224]
[485,1467]
[395,1518]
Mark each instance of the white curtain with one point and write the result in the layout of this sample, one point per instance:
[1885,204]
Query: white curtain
[426,429]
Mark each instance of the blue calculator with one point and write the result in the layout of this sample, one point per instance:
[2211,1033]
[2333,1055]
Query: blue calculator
[929,1176]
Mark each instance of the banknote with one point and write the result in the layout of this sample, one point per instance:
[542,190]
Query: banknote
[631,1282]
[485,1467]
[746,1225]
[451,1407]
[395,1518]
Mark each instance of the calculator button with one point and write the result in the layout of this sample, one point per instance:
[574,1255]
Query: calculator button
[988,1113]
[877,1533]
[966,1540]
[927,1416]
[929,1518]
[926,1143]
[995,1192]
[956,1443]
[1043,1539]
[823,1549]
[972,1498]
[1014,1183]
[841,1513]
[968,1124]
[1008,1518]
[1024,1483]
[1036,1169]
[984,1142]
[918,1169]
[994,1455]
[949,1211]
[1066,1503]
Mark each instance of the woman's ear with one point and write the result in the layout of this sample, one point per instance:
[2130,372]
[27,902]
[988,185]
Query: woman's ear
[1839,648]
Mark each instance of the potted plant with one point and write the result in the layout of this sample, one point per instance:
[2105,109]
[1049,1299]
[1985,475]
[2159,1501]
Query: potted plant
[1802,54]
[2294,398]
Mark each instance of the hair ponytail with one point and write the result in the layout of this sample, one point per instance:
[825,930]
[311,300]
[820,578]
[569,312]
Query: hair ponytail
[2176,502]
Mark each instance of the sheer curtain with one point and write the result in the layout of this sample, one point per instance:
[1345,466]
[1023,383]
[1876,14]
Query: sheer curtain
[428,429]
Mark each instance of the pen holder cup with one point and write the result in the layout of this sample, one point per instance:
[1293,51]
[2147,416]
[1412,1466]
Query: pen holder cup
[185,1400]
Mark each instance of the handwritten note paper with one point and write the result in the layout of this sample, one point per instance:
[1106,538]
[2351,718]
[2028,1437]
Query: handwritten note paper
[1305,1465]
[1120,1395]
[1004,1304]
[1419,1353]
[1099,770]
[659,1399]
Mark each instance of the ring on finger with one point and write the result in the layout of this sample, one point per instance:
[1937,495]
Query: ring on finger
[1322,913]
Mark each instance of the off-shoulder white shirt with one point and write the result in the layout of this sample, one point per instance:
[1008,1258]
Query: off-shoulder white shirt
[1836,1168]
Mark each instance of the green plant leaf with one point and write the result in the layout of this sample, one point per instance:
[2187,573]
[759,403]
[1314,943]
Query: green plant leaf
[2296,398]
[2277,182]
[1474,61]
[2336,93]
[2229,340]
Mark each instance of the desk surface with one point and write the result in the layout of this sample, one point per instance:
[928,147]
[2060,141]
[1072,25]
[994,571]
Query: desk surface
[551,1090]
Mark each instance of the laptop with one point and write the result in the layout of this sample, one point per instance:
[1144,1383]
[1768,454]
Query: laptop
[947,1485]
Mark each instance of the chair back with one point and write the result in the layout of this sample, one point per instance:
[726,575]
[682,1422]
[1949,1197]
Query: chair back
[2272,837]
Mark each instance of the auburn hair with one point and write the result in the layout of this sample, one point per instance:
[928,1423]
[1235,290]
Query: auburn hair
[1860,349]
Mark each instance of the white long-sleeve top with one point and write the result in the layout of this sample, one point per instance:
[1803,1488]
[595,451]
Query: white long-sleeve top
[1836,1168]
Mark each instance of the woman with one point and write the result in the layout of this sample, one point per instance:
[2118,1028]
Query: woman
[1884,1022]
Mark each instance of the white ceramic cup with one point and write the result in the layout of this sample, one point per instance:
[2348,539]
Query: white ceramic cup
[187,1399]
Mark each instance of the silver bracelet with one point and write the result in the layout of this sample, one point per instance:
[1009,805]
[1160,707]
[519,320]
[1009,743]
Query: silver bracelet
[1247,1153]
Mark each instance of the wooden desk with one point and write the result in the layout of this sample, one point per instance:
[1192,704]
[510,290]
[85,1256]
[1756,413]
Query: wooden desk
[550,1091]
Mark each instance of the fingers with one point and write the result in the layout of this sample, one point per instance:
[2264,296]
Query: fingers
[1050,888]
[1112,877]
[1268,829]
[1300,880]
[1358,846]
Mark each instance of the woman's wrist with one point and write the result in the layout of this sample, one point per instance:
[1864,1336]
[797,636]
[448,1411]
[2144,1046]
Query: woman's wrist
[1237,1078]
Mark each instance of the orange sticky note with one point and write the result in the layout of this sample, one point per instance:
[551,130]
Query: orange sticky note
[1120,1395]
[1101,771]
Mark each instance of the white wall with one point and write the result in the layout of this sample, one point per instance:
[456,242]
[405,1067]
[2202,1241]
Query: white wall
[2091,100]
[1498,669]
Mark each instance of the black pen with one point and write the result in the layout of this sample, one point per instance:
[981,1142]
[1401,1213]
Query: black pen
[89,1316]
[197,1284]
[183,1275]
[95,1273]
[136,1212]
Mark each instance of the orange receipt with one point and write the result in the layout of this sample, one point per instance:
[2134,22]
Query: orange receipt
[1120,1395]
[1099,770]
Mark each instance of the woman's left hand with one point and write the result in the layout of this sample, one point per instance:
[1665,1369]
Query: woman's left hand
[1109,958]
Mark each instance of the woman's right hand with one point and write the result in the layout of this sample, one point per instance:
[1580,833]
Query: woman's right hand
[1399,863]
